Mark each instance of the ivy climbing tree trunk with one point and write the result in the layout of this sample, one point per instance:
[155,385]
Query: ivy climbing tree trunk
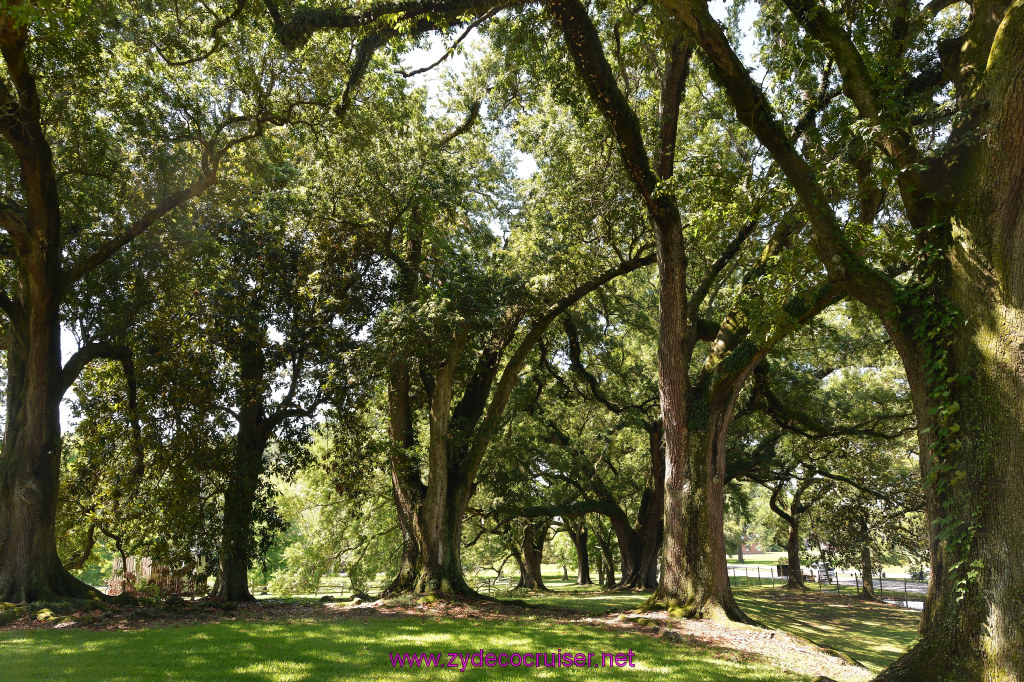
[958,325]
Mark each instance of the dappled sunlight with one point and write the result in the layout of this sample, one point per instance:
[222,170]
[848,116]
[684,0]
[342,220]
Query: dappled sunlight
[356,649]
[853,626]
[313,641]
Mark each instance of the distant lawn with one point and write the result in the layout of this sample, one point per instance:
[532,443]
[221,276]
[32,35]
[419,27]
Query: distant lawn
[766,559]
[586,599]
[773,558]
[351,649]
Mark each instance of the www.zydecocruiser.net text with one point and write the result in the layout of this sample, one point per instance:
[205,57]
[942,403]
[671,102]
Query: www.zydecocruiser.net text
[480,659]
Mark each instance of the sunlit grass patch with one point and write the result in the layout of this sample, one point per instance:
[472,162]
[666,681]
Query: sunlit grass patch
[349,649]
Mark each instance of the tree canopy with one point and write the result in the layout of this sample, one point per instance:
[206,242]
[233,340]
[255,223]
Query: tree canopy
[626,284]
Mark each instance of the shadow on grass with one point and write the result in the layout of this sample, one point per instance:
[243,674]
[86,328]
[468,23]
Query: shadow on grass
[350,649]
[875,634]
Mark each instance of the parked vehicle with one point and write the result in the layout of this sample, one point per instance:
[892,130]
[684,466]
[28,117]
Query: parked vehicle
[820,572]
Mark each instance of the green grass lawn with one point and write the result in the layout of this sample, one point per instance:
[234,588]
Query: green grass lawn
[316,643]
[350,649]
[766,559]
[875,634]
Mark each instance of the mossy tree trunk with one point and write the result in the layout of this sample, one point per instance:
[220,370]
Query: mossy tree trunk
[30,569]
[696,577]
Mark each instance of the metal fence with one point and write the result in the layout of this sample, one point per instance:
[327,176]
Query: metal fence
[896,590]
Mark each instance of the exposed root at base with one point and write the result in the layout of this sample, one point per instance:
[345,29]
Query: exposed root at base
[693,609]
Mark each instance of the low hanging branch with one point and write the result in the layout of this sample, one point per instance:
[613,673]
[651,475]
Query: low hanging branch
[103,350]
[77,562]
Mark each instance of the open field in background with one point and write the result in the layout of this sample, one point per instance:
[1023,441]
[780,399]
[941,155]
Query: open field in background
[773,558]
[304,639]
[873,633]
[748,576]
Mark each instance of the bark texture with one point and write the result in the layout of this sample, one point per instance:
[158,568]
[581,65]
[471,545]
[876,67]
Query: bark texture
[534,535]
[255,427]
[30,569]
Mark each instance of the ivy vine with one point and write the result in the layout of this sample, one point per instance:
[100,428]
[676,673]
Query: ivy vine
[934,324]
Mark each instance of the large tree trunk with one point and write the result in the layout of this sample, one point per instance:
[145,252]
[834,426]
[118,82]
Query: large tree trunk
[431,560]
[796,576]
[30,458]
[630,550]
[652,514]
[580,539]
[971,431]
[691,582]
[521,565]
[867,588]
[406,486]
[533,553]
[409,559]
[430,516]
[30,569]
[681,585]
[696,576]
[972,626]
[439,534]
[430,519]
[973,623]
[236,549]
